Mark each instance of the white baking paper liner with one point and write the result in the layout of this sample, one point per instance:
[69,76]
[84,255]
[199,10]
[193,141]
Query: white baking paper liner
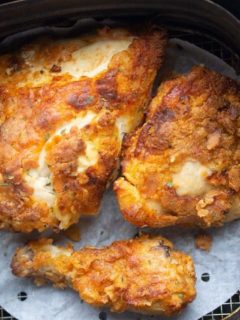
[222,262]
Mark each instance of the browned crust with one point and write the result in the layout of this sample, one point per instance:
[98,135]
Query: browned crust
[194,116]
[143,274]
[28,115]
[203,241]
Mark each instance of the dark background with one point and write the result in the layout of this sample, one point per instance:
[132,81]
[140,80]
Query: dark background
[232,5]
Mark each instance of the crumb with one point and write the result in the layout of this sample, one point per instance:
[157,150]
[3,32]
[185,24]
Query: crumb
[203,241]
[73,233]
[55,68]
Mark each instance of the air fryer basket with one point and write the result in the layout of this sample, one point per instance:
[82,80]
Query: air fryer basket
[202,23]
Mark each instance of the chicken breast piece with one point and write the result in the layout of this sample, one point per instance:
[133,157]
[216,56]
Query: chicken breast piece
[182,166]
[64,108]
[143,274]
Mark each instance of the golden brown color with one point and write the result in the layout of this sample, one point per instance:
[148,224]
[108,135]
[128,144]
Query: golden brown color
[183,165]
[143,275]
[64,108]
[203,241]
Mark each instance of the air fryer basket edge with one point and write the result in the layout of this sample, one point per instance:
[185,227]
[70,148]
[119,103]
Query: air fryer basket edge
[206,15]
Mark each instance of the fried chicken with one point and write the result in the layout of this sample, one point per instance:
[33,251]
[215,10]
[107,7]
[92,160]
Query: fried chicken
[142,275]
[183,165]
[64,108]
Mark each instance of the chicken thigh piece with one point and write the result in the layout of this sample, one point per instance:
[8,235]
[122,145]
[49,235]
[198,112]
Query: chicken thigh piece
[64,108]
[143,274]
[183,165]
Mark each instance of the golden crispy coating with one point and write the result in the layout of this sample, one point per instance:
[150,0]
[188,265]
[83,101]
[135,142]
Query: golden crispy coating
[143,274]
[182,166]
[64,108]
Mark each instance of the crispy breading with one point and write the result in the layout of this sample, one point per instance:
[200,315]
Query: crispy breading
[64,108]
[143,274]
[182,166]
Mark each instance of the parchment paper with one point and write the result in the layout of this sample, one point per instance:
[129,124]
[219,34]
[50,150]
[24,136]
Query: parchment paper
[222,262]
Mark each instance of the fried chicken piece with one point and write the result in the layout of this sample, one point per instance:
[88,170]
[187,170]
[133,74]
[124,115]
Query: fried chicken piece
[142,275]
[183,165]
[64,108]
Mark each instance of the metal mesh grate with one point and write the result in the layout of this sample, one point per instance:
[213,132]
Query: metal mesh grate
[228,308]
[5,316]
[208,43]
[230,57]
[220,313]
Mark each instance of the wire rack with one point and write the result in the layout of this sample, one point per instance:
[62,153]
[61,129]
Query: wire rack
[232,305]
[208,43]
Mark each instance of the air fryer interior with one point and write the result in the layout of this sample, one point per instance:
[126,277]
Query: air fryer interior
[201,23]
